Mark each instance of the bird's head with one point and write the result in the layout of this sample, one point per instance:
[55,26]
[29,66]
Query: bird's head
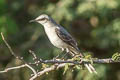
[42,19]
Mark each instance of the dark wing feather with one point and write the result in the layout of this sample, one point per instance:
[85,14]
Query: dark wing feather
[66,37]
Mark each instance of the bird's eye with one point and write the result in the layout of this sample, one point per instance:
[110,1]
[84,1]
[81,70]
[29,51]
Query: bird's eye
[41,19]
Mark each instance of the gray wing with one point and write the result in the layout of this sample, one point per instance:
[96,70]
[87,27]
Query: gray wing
[66,37]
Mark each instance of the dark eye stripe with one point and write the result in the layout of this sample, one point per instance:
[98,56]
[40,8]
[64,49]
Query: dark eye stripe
[41,19]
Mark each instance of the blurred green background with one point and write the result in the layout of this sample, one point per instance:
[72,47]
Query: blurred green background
[95,24]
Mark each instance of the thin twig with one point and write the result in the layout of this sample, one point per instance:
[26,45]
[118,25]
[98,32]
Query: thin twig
[54,67]
[46,70]
[60,63]
[33,70]
[12,68]
[10,49]
[33,54]
[18,57]
[105,61]
[35,58]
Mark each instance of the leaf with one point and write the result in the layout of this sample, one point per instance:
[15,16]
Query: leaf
[66,68]
[79,67]
[116,57]
[44,66]
[88,56]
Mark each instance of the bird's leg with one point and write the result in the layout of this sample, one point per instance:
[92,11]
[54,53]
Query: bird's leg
[68,52]
[64,55]
[59,54]
[62,49]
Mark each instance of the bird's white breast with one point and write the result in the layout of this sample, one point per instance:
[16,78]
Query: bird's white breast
[53,37]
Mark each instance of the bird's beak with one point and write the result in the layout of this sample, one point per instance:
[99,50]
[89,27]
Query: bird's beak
[32,20]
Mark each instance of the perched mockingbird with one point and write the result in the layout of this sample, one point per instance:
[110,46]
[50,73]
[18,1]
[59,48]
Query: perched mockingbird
[60,38]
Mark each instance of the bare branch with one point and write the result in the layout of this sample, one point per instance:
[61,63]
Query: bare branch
[18,57]
[46,70]
[96,61]
[57,63]
[62,64]
[54,67]
[105,61]
[21,66]
[33,54]
[12,68]
[33,70]
[10,49]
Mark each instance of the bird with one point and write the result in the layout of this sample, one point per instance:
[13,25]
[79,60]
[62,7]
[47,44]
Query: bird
[61,38]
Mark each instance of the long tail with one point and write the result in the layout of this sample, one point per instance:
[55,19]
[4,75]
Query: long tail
[75,52]
[90,68]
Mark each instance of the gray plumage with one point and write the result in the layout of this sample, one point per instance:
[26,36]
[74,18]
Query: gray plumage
[60,38]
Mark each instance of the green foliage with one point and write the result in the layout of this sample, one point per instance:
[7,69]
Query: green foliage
[62,9]
[101,69]
[116,57]
[66,68]
[44,66]
[111,34]
[2,7]
[7,25]
[79,67]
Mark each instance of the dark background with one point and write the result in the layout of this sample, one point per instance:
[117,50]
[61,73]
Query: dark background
[95,24]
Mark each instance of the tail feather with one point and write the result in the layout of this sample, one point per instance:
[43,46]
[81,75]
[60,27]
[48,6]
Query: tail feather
[75,52]
[92,68]
[89,69]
